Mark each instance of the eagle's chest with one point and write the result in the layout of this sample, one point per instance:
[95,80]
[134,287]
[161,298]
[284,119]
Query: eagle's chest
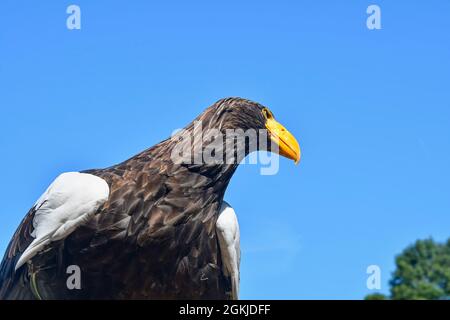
[167,253]
[117,269]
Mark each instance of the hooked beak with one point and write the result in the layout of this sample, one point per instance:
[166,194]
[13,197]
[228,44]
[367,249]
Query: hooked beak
[287,144]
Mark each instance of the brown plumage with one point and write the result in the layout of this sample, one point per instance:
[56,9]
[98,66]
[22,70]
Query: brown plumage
[155,236]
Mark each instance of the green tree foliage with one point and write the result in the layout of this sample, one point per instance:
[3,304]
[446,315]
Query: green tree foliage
[423,271]
[376,296]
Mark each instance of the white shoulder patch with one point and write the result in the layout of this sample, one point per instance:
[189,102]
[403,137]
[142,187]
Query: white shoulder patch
[68,203]
[227,228]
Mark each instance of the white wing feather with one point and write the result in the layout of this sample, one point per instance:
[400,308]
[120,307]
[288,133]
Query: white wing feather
[68,203]
[227,228]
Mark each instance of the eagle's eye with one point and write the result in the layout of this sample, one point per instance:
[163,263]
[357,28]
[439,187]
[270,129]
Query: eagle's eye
[267,113]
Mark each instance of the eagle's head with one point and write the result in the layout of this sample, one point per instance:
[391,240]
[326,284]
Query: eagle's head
[234,116]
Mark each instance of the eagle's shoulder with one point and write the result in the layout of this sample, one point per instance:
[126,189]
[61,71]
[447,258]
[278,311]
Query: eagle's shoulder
[68,202]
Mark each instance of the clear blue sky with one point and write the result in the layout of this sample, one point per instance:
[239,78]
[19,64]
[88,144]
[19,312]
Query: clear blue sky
[371,110]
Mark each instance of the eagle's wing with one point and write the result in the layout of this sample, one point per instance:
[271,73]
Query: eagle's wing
[68,203]
[227,228]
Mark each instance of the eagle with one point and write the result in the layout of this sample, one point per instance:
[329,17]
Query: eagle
[155,226]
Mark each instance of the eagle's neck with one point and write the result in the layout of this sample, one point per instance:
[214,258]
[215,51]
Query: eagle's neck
[215,159]
[197,177]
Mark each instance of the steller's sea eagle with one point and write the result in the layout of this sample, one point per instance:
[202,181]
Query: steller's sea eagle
[151,227]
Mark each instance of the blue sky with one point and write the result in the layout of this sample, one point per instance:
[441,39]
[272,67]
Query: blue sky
[371,110]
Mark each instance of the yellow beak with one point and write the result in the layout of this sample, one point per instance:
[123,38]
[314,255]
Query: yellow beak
[287,144]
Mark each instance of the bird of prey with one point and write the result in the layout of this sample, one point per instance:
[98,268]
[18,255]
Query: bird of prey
[151,227]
